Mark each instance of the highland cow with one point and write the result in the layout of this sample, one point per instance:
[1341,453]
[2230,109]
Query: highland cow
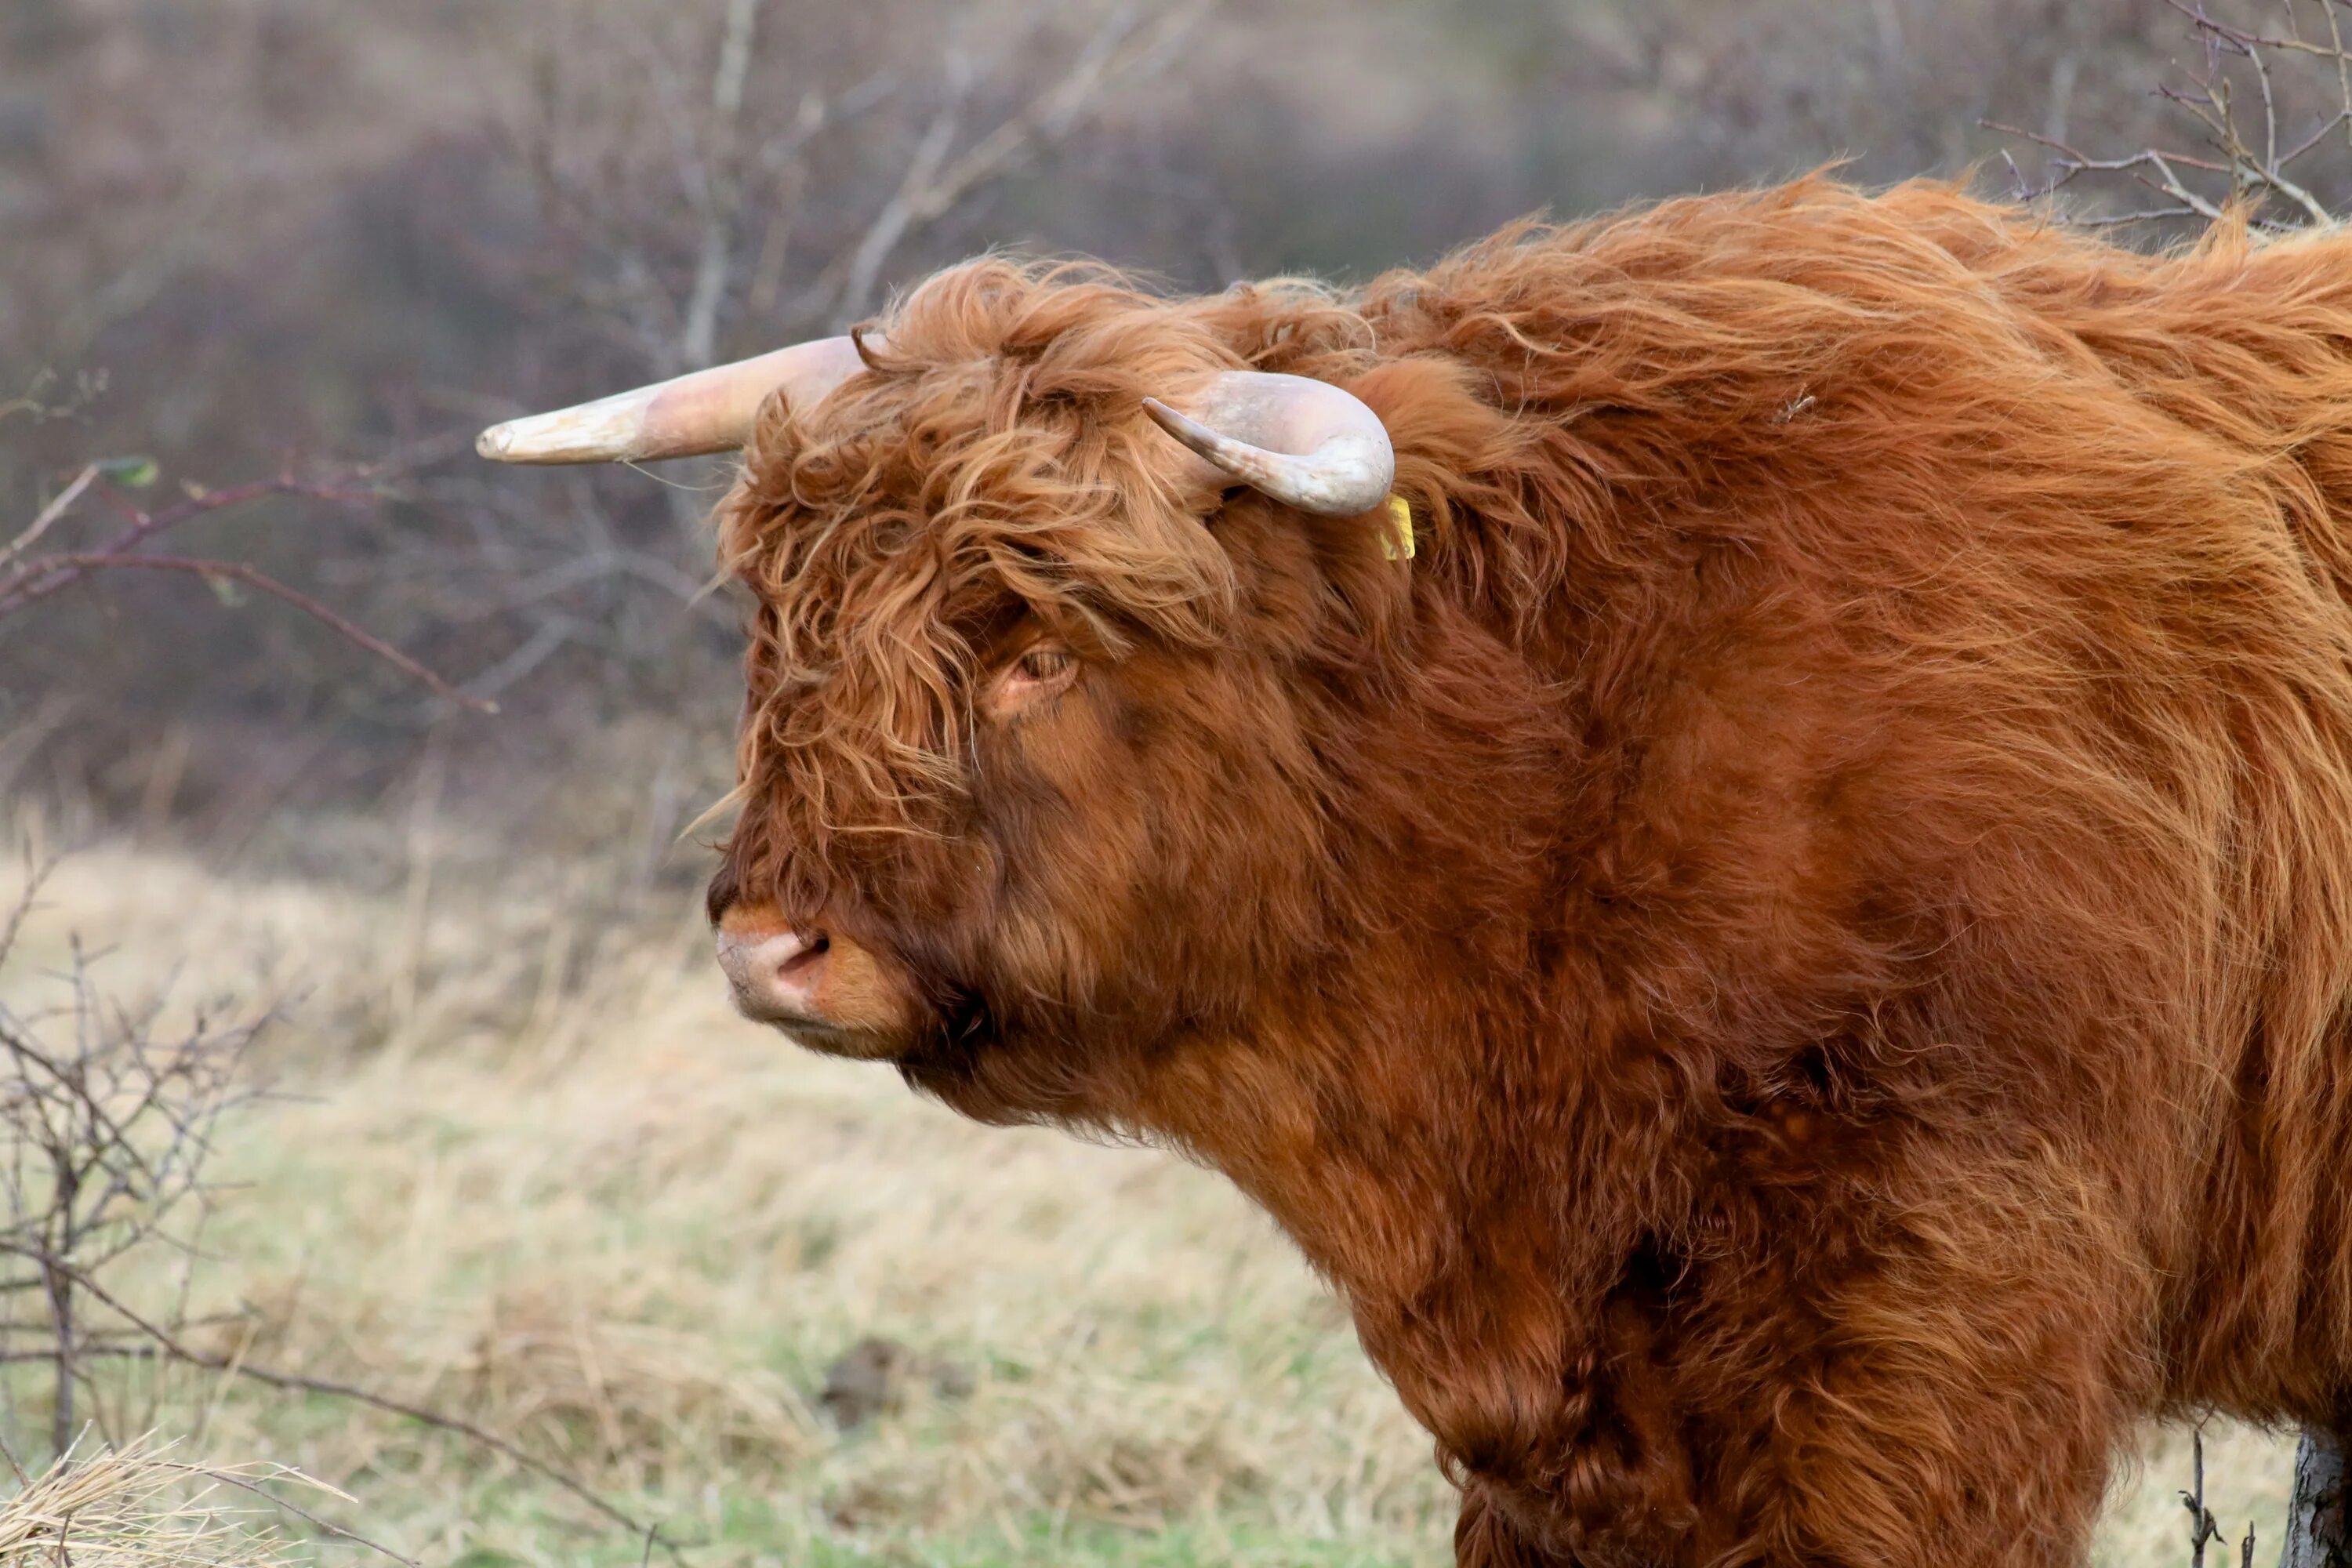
[1738,816]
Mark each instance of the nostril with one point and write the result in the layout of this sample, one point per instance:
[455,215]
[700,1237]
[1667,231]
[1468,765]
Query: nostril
[805,960]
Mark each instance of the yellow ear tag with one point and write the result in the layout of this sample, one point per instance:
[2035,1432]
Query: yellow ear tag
[1399,543]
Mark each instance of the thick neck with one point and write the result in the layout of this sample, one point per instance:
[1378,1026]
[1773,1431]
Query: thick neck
[1399,1109]
[1431,1154]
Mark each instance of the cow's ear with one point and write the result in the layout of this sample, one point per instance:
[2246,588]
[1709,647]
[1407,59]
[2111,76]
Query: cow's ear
[1359,583]
[1222,500]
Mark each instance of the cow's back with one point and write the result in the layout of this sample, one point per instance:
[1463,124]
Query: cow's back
[2017,566]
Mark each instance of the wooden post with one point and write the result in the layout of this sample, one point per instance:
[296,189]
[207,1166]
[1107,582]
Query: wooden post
[2318,1534]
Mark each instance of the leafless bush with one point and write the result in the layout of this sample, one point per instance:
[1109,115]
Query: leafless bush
[763,176]
[107,1121]
[380,233]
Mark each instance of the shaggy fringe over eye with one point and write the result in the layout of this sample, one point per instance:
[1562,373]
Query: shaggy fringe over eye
[995,461]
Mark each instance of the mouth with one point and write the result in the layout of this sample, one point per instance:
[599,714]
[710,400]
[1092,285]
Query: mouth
[830,1039]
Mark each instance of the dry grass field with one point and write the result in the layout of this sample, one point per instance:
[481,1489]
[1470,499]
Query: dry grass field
[534,1174]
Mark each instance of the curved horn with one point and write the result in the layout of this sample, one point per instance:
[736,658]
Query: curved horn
[704,411]
[1304,442]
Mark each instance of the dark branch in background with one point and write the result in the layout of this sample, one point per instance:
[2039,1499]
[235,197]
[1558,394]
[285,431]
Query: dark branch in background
[28,576]
[134,1503]
[253,1484]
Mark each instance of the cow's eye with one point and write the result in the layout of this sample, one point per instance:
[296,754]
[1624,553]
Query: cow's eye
[1046,661]
[1040,670]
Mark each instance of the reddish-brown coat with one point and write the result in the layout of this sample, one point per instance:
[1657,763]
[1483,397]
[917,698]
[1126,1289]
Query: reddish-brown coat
[1791,966]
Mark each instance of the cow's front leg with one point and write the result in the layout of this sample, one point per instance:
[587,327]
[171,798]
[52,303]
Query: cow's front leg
[1938,1380]
[1934,1383]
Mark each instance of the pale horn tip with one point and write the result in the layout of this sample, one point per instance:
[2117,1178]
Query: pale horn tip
[495,442]
[1183,427]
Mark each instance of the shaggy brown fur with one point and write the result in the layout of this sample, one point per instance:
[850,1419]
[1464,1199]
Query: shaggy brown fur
[1792,966]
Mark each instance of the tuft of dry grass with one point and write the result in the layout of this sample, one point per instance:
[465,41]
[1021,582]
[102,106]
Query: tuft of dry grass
[139,1506]
[579,1202]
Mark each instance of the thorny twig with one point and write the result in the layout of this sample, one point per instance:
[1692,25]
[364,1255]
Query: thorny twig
[26,577]
[2203,1527]
[237,572]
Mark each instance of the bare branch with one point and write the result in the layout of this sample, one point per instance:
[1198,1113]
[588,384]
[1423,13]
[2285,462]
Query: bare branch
[722,191]
[2250,164]
[931,186]
[106,1131]
[420,1413]
[74,564]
